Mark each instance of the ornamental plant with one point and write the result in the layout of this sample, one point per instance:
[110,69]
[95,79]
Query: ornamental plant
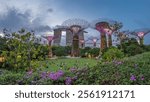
[112,53]
[21,50]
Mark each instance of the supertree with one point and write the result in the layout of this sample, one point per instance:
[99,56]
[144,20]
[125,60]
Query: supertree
[95,41]
[105,26]
[140,33]
[50,38]
[122,35]
[82,42]
[75,26]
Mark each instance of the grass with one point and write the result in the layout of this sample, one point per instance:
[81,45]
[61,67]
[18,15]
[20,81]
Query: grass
[67,63]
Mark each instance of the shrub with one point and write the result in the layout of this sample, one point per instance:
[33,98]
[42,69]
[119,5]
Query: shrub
[112,54]
[131,47]
[94,52]
[59,51]
[21,50]
[132,50]
[87,50]
[9,78]
[133,70]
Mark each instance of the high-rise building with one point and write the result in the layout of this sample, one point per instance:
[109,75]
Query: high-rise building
[57,37]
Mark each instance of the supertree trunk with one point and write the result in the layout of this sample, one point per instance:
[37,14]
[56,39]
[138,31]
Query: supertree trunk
[109,40]
[103,42]
[141,41]
[75,46]
[94,45]
[50,50]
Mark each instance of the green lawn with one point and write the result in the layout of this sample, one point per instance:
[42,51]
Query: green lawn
[67,63]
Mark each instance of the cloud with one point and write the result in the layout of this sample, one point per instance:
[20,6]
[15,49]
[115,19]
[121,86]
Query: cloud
[17,14]
[14,20]
[50,10]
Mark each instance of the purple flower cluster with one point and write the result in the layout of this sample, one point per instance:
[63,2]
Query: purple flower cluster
[44,75]
[57,75]
[70,80]
[133,78]
[52,75]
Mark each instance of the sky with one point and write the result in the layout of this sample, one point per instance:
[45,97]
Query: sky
[43,15]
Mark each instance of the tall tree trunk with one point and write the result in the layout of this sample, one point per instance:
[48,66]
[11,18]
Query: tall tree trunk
[75,46]
[103,42]
[109,40]
[50,50]
[141,41]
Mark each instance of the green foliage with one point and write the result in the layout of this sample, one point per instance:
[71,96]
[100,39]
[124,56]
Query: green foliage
[118,72]
[21,50]
[84,52]
[61,50]
[94,52]
[9,78]
[112,53]
[131,47]
[40,53]
[2,44]
[132,50]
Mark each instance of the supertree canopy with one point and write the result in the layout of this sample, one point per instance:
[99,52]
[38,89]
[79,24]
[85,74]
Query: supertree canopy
[94,40]
[140,33]
[105,26]
[75,26]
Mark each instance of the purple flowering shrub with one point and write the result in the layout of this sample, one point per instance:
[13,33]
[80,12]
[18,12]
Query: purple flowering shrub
[59,77]
[128,71]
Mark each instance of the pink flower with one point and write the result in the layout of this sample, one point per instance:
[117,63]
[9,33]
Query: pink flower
[133,78]
[142,77]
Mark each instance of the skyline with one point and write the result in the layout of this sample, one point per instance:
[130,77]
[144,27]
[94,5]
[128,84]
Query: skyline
[44,15]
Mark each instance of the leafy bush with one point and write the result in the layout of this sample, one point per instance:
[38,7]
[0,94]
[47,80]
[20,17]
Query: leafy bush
[61,50]
[133,70]
[131,47]
[94,52]
[21,50]
[132,50]
[9,78]
[112,54]
[128,71]
[37,77]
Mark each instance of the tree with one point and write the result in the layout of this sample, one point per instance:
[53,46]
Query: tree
[21,50]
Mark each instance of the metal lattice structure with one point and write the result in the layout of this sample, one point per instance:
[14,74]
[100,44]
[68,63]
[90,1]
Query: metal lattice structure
[106,27]
[76,28]
[140,33]
[122,36]
[83,24]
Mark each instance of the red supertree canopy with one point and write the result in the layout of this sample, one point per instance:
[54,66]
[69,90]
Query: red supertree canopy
[141,32]
[106,26]
[50,38]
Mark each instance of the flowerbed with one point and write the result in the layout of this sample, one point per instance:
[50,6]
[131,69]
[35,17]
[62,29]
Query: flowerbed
[128,71]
